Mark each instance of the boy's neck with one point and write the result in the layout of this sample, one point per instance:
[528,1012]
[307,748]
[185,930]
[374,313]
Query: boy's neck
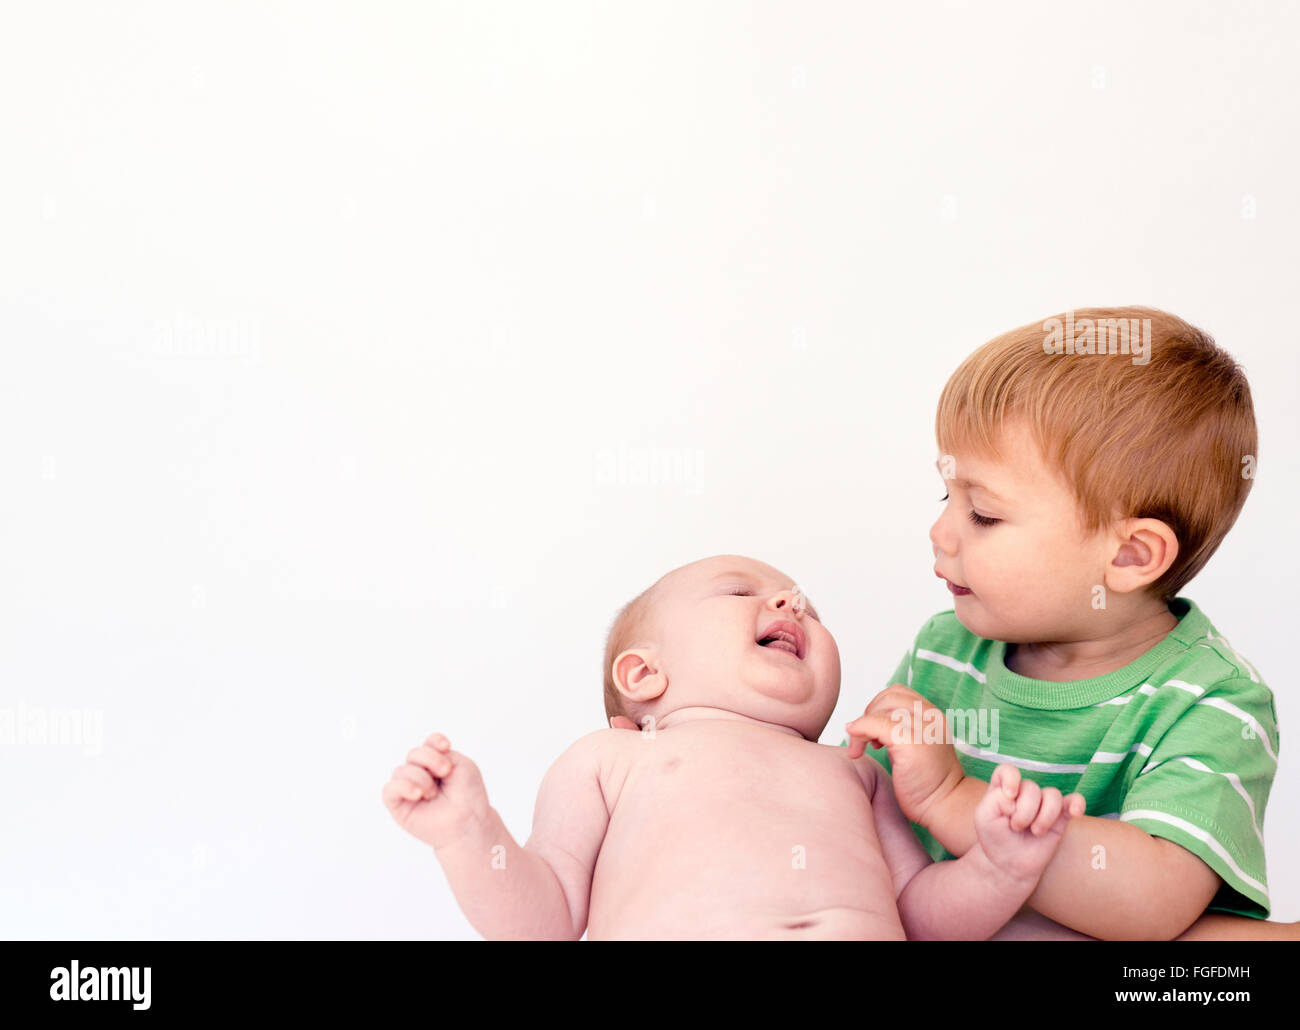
[1087,659]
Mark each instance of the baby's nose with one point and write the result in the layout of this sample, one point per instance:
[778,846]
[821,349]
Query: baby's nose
[790,601]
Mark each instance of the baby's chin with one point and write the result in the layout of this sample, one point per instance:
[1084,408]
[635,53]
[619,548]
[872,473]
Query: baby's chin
[807,717]
[806,712]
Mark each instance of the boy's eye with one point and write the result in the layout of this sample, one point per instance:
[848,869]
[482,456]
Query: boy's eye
[975,517]
[741,591]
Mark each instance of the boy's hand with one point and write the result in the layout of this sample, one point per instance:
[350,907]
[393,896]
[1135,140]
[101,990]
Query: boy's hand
[1020,825]
[437,794]
[922,772]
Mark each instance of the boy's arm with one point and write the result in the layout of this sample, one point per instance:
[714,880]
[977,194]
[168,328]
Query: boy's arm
[971,897]
[1220,926]
[1029,925]
[539,890]
[1189,825]
[1110,879]
[1184,828]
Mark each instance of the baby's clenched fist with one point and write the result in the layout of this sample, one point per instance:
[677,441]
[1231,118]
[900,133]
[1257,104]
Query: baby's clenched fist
[438,794]
[1020,825]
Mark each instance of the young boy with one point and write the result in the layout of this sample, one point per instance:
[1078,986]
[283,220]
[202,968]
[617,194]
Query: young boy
[724,818]
[1093,464]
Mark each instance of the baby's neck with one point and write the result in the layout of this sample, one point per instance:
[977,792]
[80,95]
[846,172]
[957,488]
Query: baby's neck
[699,712]
[1087,659]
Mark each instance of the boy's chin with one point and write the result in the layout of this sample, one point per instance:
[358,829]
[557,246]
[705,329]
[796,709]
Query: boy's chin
[979,622]
[975,618]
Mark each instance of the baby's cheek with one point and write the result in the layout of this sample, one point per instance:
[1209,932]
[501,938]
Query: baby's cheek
[829,677]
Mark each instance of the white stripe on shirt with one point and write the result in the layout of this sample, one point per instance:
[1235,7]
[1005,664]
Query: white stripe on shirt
[1020,763]
[952,663]
[1246,717]
[1146,689]
[1231,777]
[1199,834]
[1110,757]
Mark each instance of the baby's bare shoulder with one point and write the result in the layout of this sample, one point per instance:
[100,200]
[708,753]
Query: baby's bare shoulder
[597,742]
[589,759]
[598,748]
[868,769]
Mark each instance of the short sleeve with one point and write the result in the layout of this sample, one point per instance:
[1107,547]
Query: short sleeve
[1205,784]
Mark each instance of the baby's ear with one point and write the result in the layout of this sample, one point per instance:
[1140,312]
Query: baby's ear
[637,675]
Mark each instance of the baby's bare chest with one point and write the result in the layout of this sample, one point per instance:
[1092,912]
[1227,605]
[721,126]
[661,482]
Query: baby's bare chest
[722,833]
[734,781]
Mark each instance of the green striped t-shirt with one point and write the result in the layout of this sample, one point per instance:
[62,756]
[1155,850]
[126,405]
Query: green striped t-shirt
[1182,742]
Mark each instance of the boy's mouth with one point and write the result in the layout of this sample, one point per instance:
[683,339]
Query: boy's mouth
[783,636]
[956,590]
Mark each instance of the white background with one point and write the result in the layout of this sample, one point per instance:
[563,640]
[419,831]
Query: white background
[336,338]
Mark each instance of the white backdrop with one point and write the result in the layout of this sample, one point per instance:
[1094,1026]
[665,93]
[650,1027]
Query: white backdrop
[362,359]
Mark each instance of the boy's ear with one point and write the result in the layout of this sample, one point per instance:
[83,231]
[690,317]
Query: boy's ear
[1146,548]
[638,676]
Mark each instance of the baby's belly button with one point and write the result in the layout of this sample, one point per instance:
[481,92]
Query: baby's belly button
[833,920]
[756,911]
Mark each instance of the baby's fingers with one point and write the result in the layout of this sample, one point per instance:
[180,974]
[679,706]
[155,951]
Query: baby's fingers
[418,777]
[1004,787]
[1072,806]
[1049,807]
[437,763]
[398,790]
[1007,777]
[1026,805]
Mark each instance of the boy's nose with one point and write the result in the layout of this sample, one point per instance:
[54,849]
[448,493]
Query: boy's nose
[942,539]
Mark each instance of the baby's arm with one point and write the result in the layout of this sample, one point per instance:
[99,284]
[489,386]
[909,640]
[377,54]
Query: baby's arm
[540,890]
[972,897]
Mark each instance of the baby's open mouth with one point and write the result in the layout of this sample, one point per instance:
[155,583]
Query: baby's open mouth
[783,636]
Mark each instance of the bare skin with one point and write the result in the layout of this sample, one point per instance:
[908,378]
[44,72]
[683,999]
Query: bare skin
[722,819]
[800,858]
[1029,925]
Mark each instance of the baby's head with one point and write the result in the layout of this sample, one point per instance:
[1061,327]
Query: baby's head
[725,633]
[1087,488]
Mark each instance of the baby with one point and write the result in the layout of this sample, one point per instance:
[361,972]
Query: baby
[723,818]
